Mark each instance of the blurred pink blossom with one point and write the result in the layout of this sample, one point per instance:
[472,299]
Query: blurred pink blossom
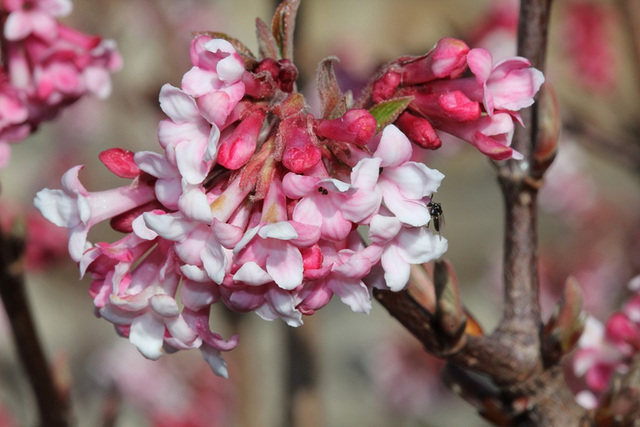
[169,393]
[587,35]
[405,377]
[46,67]
[606,350]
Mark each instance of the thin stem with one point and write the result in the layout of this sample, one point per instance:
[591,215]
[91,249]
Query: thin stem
[52,405]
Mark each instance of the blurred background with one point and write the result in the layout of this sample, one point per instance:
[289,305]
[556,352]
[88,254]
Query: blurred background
[359,370]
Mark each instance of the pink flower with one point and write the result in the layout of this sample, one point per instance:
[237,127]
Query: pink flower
[509,84]
[403,246]
[442,100]
[402,184]
[215,79]
[491,135]
[34,16]
[609,349]
[588,40]
[75,208]
[46,67]
[329,204]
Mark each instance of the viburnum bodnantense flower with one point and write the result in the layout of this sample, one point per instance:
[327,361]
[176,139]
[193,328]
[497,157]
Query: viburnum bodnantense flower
[257,204]
[606,350]
[479,109]
[46,66]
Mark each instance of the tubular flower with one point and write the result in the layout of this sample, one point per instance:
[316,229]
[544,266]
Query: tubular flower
[46,66]
[464,107]
[254,202]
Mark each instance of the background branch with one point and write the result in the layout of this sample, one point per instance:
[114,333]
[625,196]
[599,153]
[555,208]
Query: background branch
[53,406]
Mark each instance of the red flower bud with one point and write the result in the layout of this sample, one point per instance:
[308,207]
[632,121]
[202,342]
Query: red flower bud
[419,130]
[236,150]
[300,152]
[385,87]
[356,126]
[448,59]
[120,162]
[452,105]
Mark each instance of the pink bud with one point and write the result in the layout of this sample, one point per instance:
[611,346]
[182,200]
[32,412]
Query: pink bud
[123,222]
[453,105]
[419,130]
[598,376]
[385,87]
[621,330]
[316,298]
[300,153]
[312,257]
[236,150]
[120,162]
[448,59]
[356,126]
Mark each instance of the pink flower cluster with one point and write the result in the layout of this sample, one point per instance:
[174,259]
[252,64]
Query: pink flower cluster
[46,66]
[607,350]
[254,203]
[588,40]
[480,109]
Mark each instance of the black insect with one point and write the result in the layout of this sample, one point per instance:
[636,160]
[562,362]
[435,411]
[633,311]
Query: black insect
[437,216]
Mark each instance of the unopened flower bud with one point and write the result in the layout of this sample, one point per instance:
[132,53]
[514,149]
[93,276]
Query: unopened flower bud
[356,126]
[419,130]
[312,257]
[448,59]
[236,150]
[120,162]
[300,153]
[453,105]
[315,299]
[622,331]
[385,87]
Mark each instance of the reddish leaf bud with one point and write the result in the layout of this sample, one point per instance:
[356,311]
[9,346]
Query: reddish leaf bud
[287,75]
[356,126]
[385,87]
[419,130]
[120,162]
[270,66]
[448,59]
[236,150]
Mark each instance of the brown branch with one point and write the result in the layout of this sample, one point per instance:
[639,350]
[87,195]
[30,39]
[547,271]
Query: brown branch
[52,405]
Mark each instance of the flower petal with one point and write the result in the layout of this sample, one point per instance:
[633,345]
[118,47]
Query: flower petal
[147,335]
